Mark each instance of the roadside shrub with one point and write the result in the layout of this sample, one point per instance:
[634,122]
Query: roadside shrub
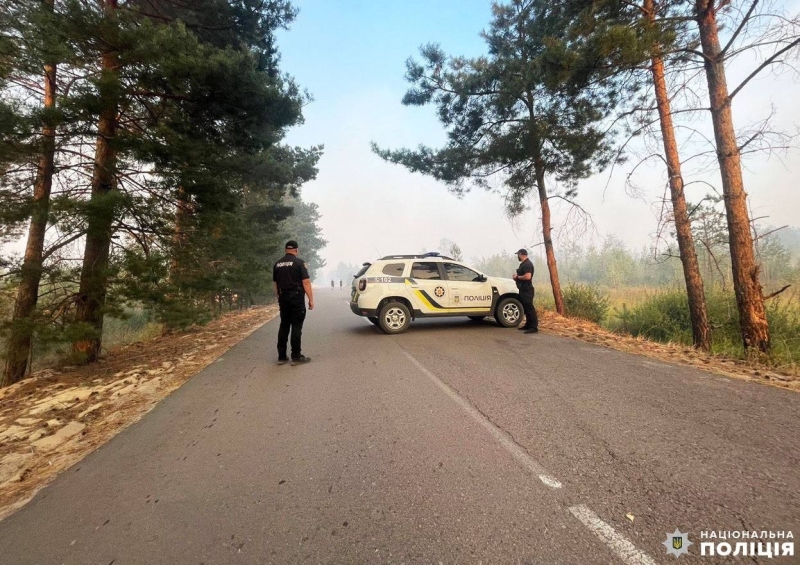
[784,325]
[661,317]
[585,302]
[544,298]
[664,317]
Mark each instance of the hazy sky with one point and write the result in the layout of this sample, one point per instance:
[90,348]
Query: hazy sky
[350,55]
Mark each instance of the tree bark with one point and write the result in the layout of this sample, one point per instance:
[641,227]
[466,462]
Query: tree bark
[544,203]
[701,333]
[20,340]
[547,229]
[746,284]
[101,211]
[183,213]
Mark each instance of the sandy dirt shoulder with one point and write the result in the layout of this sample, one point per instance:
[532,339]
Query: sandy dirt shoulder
[58,416]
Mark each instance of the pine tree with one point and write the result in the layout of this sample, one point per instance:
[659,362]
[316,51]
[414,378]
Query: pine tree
[33,42]
[615,45]
[208,109]
[746,283]
[182,102]
[510,118]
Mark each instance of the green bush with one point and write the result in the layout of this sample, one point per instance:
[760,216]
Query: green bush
[585,302]
[784,326]
[664,317]
[544,298]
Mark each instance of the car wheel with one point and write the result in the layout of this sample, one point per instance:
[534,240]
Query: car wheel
[477,319]
[374,320]
[394,318]
[509,312]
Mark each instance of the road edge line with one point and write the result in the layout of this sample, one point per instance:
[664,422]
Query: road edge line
[618,543]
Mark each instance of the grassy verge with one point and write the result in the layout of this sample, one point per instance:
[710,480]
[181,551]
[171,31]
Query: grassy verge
[662,315]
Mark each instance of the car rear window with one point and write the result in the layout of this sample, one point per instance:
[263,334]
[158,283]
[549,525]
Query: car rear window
[394,269]
[425,271]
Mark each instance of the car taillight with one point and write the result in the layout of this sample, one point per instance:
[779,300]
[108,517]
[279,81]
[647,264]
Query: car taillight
[362,285]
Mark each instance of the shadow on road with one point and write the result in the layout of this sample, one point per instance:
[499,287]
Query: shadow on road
[433,325]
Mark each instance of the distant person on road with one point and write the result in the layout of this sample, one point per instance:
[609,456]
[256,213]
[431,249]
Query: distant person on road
[341,284]
[524,278]
[292,285]
[333,285]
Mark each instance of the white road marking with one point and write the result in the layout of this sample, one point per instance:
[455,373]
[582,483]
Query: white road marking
[618,543]
[502,437]
[549,481]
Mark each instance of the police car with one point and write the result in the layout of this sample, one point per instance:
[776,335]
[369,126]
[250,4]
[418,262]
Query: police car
[394,290]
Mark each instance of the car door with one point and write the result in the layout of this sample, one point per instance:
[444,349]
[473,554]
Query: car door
[467,289]
[428,287]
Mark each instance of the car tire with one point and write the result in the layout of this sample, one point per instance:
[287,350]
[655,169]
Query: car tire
[509,312]
[374,320]
[394,318]
[477,319]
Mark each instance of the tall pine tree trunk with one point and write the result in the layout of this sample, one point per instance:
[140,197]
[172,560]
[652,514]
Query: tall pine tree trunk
[547,230]
[701,334]
[100,210]
[749,294]
[20,340]
[183,214]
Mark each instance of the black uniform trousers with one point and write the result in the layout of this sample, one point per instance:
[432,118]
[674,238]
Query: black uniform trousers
[292,304]
[531,319]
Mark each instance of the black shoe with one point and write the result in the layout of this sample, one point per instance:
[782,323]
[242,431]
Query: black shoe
[522,328]
[302,360]
[282,361]
[531,331]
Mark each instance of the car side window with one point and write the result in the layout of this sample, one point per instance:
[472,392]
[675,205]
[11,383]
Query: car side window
[460,273]
[425,271]
[394,269]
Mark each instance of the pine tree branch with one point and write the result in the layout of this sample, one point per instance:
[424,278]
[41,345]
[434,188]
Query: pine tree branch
[742,25]
[777,292]
[55,247]
[764,65]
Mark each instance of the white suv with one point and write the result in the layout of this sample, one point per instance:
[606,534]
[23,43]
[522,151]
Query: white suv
[399,288]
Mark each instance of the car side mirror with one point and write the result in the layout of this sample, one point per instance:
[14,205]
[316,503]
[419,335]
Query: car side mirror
[482,278]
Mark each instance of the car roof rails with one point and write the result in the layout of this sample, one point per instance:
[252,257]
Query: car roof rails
[429,255]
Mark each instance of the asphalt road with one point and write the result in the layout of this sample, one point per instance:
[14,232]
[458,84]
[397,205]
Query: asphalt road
[452,443]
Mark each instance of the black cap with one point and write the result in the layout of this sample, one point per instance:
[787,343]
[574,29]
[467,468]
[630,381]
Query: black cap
[522,252]
[291,244]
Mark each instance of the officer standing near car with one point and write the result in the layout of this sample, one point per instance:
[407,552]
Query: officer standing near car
[292,284]
[524,278]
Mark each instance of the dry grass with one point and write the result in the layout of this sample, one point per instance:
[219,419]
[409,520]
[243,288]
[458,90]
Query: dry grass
[751,370]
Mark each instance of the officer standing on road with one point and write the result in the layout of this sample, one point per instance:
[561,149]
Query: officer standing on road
[524,278]
[292,284]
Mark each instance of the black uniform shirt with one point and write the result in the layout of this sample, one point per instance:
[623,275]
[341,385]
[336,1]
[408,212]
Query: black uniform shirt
[290,272]
[525,287]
